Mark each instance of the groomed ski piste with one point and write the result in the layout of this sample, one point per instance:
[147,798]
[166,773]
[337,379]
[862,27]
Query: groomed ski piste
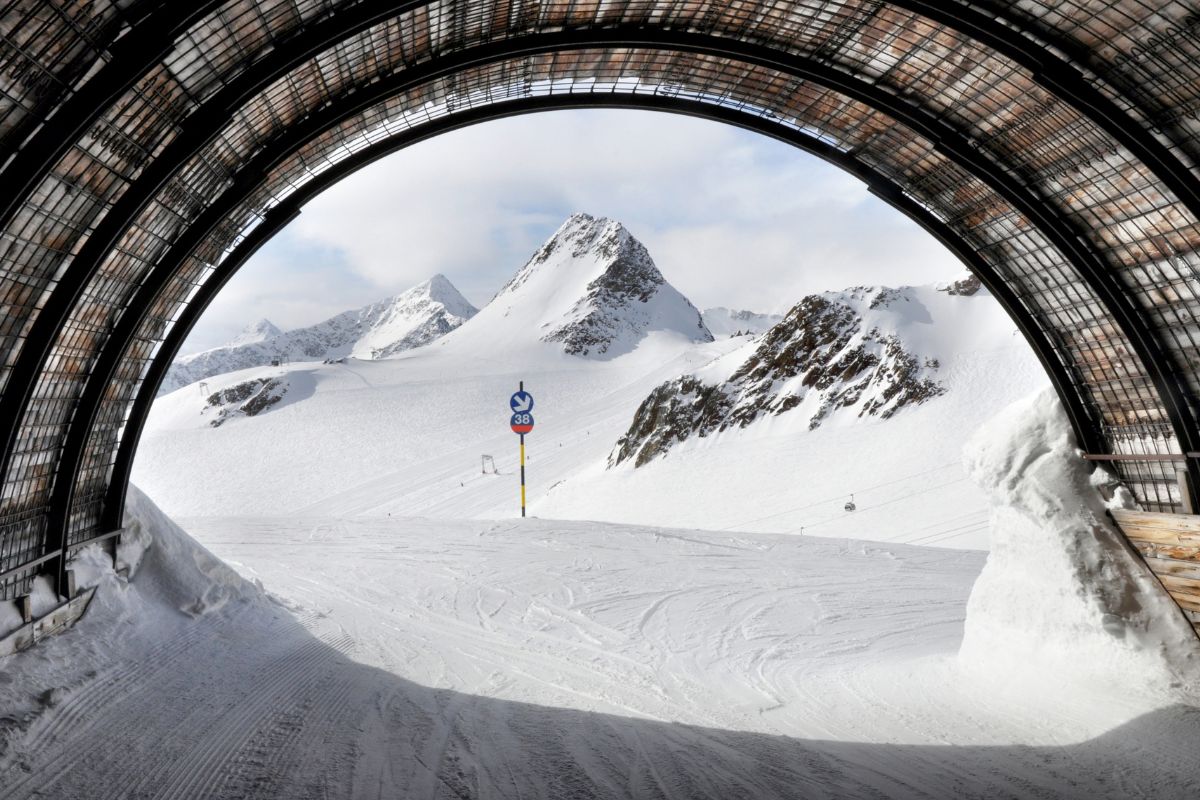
[549,659]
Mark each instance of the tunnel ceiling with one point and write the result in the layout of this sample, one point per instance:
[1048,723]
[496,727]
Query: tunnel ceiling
[147,148]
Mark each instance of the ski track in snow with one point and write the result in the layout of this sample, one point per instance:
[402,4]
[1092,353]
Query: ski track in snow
[449,659]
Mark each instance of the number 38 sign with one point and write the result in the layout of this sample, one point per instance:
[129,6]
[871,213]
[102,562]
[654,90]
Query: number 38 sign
[521,404]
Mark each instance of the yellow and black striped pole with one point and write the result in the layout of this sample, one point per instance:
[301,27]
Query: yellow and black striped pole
[521,388]
[522,423]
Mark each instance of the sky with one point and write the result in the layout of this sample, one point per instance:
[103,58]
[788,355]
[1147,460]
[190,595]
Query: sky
[730,217]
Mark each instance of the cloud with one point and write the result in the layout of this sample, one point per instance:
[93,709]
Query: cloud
[732,218]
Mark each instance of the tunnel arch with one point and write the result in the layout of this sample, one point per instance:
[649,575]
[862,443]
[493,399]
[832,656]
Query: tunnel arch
[146,148]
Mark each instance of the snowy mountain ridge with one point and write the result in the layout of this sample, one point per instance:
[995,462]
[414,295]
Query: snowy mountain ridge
[255,332]
[410,319]
[592,289]
[832,351]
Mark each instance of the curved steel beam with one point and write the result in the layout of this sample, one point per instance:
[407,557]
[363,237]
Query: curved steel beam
[1071,243]
[139,51]
[1008,16]
[154,39]
[278,217]
[1068,83]
[134,54]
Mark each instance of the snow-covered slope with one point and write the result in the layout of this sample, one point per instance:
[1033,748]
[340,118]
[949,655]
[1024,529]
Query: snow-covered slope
[410,319]
[591,290]
[722,322]
[535,658]
[404,436]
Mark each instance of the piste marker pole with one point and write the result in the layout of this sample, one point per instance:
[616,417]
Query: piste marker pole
[521,422]
[521,388]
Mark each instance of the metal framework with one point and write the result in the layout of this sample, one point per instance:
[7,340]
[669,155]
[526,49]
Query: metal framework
[148,147]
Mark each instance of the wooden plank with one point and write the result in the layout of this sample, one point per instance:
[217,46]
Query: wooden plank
[1135,456]
[1178,569]
[1183,591]
[1187,603]
[1154,519]
[1167,551]
[1178,584]
[1168,529]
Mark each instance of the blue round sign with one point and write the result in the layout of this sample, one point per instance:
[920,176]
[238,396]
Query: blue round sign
[521,402]
[521,422]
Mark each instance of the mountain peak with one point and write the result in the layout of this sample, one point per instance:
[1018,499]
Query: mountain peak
[438,290]
[257,331]
[582,234]
[594,288]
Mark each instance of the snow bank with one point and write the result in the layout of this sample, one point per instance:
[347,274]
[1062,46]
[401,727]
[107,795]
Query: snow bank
[127,624]
[172,564]
[172,569]
[1061,589]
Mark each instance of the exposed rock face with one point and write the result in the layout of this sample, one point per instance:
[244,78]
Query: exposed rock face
[411,319]
[601,316]
[965,286]
[249,398]
[819,352]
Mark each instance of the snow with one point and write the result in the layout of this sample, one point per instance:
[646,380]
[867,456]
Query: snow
[1061,585]
[564,292]
[362,614]
[10,618]
[723,322]
[258,331]
[43,598]
[539,658]
[404,436]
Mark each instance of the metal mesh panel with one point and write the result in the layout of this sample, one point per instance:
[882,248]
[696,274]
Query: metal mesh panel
[45,48]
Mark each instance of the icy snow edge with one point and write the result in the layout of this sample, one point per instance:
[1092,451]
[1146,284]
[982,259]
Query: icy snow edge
[1061,588]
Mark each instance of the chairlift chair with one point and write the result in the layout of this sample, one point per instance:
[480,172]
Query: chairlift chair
[850,504]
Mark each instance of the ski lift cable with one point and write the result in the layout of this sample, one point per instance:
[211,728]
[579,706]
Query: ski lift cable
[936,534]
[885,503]
[947,521]
[839,497]
[899,537]
[978,529]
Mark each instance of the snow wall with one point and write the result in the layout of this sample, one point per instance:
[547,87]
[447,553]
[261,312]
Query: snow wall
[172,569]
[1062,589]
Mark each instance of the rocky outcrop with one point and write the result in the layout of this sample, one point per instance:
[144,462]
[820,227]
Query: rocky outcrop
[248,399]
[964,287]
[821,354]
